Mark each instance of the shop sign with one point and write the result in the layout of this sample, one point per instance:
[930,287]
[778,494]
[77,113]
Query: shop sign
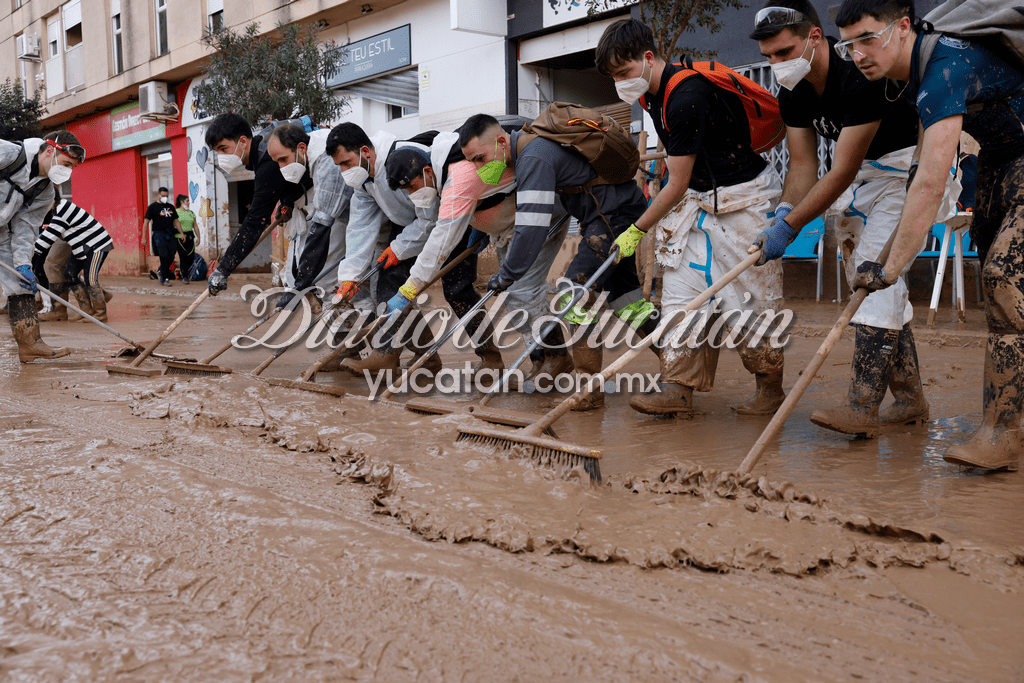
[379,54]
[129,129]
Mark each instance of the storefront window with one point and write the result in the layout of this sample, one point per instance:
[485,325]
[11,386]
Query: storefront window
[159,174]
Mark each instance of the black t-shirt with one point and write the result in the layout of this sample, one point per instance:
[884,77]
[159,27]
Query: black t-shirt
[709,122]
[850,99]
[163,217]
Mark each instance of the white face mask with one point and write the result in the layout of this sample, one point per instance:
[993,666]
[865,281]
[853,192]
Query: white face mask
[164,200]
[631,89]
[424,197]
[788,74]
[58,174]
[294,171]
[229,163]
[357,175]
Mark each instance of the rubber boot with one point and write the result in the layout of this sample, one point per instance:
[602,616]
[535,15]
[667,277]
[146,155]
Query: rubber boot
[386,359]
[334,364]
[550,362]
[99,304]
[768,397]
[905,384]
[997,443]
[60,311]
[588,361]
[424,340]
[490,359]
[873,352]
[25,326]
[83,300]
[107,296]
[673,397]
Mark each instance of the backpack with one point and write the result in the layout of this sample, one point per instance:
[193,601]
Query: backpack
[996,24]
[608,147]
[198,269]
[760,106]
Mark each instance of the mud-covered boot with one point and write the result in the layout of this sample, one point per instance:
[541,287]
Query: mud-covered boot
[25,326]
[588,362]
[83,300]
[59,311]
[670,399]
[549,363]
[334,364]
[99,303]
[107,296]
[873,352]
[905,384]
[767,399]
[997,443]
[425,340]
[377,360]
[490,359]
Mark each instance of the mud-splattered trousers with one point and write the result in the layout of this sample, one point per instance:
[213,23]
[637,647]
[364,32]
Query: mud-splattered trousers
[696,247]
[869,212]
[998,231]
[20,224]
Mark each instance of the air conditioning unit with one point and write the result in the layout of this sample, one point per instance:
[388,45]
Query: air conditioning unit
[28,48]
[153,98]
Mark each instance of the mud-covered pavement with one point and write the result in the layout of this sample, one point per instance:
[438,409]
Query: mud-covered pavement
[197,529]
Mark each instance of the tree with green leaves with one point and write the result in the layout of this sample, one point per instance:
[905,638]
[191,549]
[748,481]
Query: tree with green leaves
[268,78]
[19,115]
[670,19]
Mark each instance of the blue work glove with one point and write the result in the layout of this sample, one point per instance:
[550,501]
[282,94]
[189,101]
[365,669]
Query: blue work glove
[498,283]
[871,276]
[218,282]
[478,237]
[773,241]
[399,302]
[30,278]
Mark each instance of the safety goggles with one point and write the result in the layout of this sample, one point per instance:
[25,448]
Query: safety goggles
[76,152]
[870,42]
[778,16]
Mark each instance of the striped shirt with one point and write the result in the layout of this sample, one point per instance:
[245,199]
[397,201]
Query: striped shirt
[77,227]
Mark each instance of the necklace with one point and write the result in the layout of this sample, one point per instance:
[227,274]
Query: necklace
[898,95]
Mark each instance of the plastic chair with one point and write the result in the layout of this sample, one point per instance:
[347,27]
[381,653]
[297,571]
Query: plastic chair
[808,246]
[958,249]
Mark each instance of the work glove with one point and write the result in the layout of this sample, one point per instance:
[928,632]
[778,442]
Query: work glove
[218,282]
[30,278]
[627,241]
[499,283]
[284,213]
[347,290]
[871,276]
[478,237]
[773,241]
[402,300]
[388,258]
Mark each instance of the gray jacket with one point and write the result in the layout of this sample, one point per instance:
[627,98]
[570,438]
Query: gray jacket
[23,222]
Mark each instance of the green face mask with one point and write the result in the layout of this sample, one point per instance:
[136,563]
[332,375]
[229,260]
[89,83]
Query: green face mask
[492,171]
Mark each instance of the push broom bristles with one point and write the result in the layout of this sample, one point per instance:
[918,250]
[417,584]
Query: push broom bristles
[195,369]
[329,389]
[545,452]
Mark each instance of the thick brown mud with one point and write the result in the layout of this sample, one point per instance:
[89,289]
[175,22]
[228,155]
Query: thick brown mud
[196,528]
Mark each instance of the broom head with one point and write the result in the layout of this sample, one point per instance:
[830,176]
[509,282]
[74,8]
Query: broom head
[195,369]
[329,389]
[546,452]
[118,369]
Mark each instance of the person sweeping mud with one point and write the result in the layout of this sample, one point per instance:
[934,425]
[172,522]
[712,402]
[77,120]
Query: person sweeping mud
[875,130]
[90,244]
[466,200]
[381,212]
[719,193]
[237,149]
[958,85]
[28,173]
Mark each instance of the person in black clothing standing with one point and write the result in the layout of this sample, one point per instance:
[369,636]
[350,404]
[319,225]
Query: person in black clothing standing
[165,230]
[238,150]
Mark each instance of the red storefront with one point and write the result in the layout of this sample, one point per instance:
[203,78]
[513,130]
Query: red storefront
[126,155]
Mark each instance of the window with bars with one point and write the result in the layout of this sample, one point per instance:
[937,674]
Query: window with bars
[162,46]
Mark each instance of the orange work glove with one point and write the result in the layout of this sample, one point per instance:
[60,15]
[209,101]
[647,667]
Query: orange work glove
[388,258]
[347,290]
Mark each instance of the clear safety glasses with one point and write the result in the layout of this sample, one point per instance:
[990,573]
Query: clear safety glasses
[871,42]
[778,16]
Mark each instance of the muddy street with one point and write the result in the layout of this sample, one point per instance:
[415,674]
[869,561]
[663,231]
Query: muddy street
[219,528]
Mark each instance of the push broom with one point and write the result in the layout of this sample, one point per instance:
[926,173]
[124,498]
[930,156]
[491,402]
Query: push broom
[307,380]
[133,368]
[553,453]
[204,368]
[134,344]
